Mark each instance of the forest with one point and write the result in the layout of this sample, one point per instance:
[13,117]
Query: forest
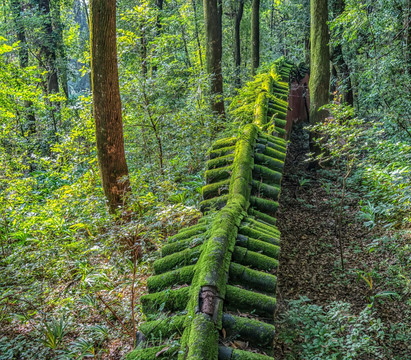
[215,179]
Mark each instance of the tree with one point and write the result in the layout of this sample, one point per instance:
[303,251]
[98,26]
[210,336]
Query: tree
[320,60]
[237,43]
[214,50]
[339,63]
[48,47]
[107,102]
[23,59]
[255,35]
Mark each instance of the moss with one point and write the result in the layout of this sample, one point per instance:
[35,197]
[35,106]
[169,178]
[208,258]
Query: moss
[218,174]
[256,332]
[275,107]
[263,217]
[267,175]
[226,353]
[274,139]
[180,245]
[215,189]
[266,150]
[258,246]
[258,234]
[220,162]
[261,189]
[224,143]
[258,261]
[264,205]
[163,328]
[182,258]
[213,204]
[279,123]
[222,152]
[273,146]
[273,164]
[260,110]
[269,228]
[203,340]
[277,114]
[180,276]
[252,279]
[238,299]
[151,353]
[281,132]
[169,300]
[189,232]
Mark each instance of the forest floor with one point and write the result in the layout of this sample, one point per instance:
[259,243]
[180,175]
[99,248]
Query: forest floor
[311,278]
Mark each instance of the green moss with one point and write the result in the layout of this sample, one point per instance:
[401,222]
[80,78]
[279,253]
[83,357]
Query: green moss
[213,204]
[188,232]
[266,150]
[273,146]
[218,174]
[260,110]
[222,152]
[273,139]
[226,353]
[238,299]
[182,258]
[163,328]
[151,353]
[277,107]
[264,205]
[261,189]
[257,333]
[220,162]
[258,234]
[252,279]
[279,123]
[224,143]
[269,176]
[203,340]
[263,217]
[269,162]
[268,228]
[258,261]
[169,300]
[180,276]
[180,245]
[258,246]
[215,189]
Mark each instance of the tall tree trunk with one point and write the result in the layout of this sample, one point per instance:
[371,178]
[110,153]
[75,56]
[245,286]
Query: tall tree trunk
[237,43]
[61,51]
[48,47]
[107,102]
[214,49]
[341,66]
[320,60]
[200,55]
[23,59]
[255,35]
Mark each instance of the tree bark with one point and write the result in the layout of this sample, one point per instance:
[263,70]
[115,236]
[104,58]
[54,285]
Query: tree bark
[107,102]
[214,39]
[23,59]
[200,56]
[255,35]
[237,43]
[61,51]
[320,60]
[342,69]
[48,47]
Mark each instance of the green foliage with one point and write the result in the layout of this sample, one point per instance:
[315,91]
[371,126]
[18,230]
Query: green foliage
[338,332]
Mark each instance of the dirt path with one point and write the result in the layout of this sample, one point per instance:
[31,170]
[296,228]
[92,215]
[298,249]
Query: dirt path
[310,261]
